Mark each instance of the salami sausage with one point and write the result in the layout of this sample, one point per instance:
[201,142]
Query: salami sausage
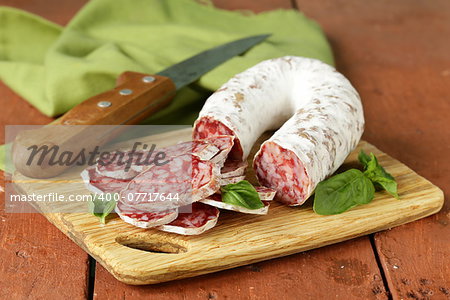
[203,217]
[319,111]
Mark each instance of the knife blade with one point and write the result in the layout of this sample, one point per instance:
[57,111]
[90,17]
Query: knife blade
[190,70]
[136,97]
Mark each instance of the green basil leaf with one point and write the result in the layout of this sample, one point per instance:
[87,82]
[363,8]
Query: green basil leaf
[373,167]
[101,206]
[342,192]
[363,158]
[386,184]
[380,177]
[242,194]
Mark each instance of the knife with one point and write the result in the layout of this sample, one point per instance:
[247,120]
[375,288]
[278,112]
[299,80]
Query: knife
[136,97]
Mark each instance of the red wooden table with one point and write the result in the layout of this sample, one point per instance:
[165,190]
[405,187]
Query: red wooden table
[397,54]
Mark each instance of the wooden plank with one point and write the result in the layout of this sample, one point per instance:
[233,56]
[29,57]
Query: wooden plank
[232,242]
[16,111]
[344,274]
[36,260]
[396,56]
[56,11]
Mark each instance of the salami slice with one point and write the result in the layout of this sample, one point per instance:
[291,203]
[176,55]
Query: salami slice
[183,180]
[203,149]
[265,193]
[230,180]
[319,111]
[205,179]
[233,168]
[225,144]
[216,201]
[118,165]
[128,164]
[202,218]
[98,183]
[145,219]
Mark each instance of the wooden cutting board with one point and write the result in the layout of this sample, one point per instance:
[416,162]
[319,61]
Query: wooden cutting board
[147,256]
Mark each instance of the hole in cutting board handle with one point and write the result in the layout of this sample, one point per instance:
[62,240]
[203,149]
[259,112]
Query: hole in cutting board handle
[154,244]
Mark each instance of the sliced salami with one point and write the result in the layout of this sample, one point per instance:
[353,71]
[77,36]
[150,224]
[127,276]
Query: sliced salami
[230,180]
[202,218]
[225,144]
[233,168]
[145,219]
[319,111]
[118,165]
[98,183]
[203,149]
[183,180]
[265,193]
[205,179]
[128,164]
[216,201]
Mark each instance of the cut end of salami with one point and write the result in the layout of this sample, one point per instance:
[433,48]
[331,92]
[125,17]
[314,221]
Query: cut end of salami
[282,170]
[209,128]
[202,218]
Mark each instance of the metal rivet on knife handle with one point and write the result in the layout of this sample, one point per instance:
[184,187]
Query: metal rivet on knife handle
[148,79]
[104,104]
[126,92]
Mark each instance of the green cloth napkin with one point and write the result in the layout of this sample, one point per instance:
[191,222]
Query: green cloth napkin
[55,68]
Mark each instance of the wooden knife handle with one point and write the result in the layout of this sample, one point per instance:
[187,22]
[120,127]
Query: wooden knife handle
[136,97]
